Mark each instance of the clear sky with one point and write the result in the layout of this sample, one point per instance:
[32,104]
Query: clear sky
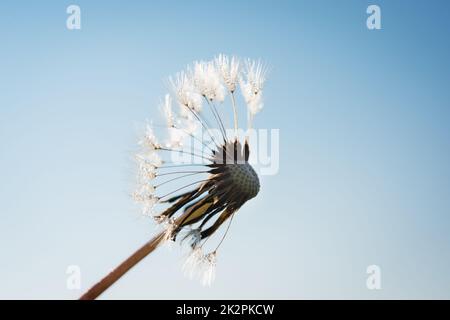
[364,163]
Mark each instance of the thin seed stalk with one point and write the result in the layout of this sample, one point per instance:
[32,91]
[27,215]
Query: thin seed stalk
[235,116]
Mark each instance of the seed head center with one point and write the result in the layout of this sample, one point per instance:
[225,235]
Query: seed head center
[244,179]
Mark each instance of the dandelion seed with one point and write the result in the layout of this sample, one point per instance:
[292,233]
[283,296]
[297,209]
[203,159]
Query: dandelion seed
[186,94]
[170,227]
[149,140]
[167,108]
[190,125]
[176,137]
[255,104]
[229,70]
[148,174]
[192,263]
[252,83]
[209,272]
[207,81]
[148,202]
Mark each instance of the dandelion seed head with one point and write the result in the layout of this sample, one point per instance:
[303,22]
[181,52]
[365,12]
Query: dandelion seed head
[245,179]
[149,160]
[196,210]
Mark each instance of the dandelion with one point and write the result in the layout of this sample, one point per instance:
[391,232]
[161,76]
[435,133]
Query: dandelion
[196,198]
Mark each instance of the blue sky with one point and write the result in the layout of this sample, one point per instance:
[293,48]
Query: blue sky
[364,161]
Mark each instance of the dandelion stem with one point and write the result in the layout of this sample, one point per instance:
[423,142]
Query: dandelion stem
[95,291]
[123,268]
